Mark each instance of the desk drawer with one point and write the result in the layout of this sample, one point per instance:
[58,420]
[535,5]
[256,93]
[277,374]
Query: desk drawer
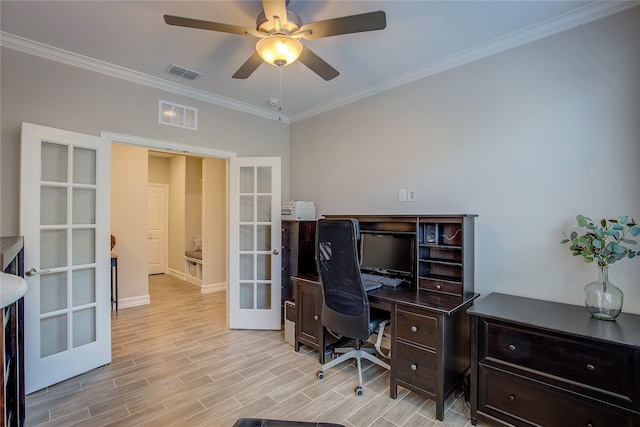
[415,366]
[416,328]
[524,402]
[610,367]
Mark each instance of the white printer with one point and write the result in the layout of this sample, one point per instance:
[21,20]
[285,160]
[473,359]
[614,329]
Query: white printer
[299,210]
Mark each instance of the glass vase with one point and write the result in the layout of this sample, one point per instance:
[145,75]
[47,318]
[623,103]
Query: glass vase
[602,298]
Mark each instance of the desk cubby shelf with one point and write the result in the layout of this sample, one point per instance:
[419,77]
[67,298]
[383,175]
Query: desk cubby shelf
[445,254]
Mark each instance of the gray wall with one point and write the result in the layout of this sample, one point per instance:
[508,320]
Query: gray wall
[53,94]
[527,139]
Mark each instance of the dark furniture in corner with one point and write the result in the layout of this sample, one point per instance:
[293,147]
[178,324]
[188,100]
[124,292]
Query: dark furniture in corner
[298,253]
[544,363]
[12,393]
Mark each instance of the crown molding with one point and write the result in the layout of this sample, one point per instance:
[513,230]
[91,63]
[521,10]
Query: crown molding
[585,14]
[42,50]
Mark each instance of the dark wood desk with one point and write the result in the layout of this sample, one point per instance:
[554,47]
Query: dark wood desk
[430,336]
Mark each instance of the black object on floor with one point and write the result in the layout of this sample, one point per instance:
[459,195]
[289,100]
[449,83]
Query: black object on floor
[261,422]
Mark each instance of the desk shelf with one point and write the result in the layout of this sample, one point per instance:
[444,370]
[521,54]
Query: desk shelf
[445,254]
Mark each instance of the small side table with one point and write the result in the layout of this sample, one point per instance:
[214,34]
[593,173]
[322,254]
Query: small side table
[114,281]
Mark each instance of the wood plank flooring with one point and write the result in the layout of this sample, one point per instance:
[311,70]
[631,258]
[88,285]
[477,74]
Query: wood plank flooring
[175,363]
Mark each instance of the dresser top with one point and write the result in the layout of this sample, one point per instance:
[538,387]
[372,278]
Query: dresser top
[553,316]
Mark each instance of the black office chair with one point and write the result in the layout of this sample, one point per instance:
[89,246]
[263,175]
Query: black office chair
[345,306]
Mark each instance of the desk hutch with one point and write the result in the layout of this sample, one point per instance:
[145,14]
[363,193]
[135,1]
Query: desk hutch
[430,333]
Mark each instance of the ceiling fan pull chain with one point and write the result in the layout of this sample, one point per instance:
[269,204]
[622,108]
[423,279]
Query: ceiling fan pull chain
[280,97]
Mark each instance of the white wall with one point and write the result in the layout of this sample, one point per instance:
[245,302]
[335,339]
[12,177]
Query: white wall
[177,209]
[128,211]
[216,224]
[527,139]
[193,201]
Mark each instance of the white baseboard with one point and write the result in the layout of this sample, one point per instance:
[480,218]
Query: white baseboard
[176,273]
[192,280]
[213,287]
[134,301]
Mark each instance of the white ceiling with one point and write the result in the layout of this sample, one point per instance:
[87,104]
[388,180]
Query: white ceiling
[129,39]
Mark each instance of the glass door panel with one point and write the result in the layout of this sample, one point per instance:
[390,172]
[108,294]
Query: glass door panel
[84,166]
[53,292]
[53,210]
[54,160]
[53,248]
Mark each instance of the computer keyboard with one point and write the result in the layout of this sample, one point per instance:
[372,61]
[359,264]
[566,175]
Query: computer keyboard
[383,280]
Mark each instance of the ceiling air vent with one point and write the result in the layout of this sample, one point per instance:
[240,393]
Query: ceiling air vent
[183,72]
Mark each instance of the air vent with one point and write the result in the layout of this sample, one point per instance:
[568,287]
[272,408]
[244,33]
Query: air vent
[183,72]
[177,115]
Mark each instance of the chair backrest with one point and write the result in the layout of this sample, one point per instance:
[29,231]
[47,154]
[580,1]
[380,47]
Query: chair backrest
[345,306]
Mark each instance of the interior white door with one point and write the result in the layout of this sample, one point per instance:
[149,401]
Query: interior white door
[157,233]
[65,221]
[255,240]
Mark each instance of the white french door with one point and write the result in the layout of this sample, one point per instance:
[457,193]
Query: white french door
[255,240]
[65,220]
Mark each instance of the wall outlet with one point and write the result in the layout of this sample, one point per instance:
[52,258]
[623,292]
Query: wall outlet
[411,195]
[402,194]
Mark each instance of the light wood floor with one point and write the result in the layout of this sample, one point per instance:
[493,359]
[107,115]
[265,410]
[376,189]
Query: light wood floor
[175,363]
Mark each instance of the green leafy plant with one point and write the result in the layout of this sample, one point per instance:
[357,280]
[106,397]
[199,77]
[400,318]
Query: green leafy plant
[604,241]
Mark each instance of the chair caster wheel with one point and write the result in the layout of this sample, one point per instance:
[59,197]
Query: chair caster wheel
[358,391]
[320,375]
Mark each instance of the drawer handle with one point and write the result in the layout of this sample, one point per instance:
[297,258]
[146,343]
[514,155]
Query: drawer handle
[512,347]
[438,287]
[414,367]
[590,367]
[414,329]
[590,424]
[512,398]
[316,317]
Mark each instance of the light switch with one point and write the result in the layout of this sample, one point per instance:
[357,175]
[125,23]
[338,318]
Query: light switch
[402,194]
[411,195]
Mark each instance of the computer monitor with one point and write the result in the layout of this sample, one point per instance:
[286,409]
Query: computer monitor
[387,253]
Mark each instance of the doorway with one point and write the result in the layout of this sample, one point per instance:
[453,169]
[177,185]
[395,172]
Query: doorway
[131,175]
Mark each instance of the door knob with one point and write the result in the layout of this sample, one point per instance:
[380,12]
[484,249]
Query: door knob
[35,271]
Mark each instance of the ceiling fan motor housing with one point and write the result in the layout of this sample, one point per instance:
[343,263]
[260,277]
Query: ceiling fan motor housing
[291,25]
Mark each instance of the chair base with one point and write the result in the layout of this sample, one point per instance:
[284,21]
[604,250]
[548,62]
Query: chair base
[358,354]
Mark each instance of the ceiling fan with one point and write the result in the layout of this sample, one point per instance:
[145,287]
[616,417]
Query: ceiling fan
[280,31]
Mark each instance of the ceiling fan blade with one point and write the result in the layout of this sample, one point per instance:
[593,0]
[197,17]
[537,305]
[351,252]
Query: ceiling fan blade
[317,64]
[346,25]
[207,25]
[248,67]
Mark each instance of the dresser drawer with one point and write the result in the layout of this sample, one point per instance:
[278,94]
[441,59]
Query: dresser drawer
[520,401]
[416,328]
[607,367]
[416,366]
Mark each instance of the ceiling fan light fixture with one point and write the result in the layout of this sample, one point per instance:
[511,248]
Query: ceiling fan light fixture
[279,49]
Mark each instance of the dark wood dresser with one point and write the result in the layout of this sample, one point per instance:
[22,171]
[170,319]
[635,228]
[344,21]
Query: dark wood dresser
[537,362]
